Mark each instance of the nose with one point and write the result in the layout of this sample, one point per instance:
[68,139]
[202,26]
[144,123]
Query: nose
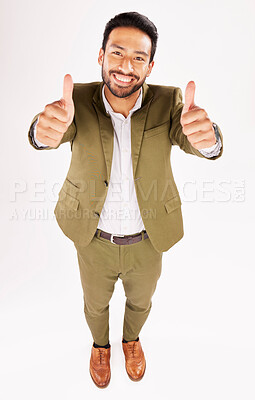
[126,66]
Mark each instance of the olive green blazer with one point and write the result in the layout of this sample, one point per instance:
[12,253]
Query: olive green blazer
[155,128]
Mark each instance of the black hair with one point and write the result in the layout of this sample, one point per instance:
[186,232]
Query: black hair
[136,20]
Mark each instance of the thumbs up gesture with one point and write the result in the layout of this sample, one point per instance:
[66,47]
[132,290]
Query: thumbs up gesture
[195,122]
[56,117]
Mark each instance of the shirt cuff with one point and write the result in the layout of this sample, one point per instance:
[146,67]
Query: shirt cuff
[214,150]
[32,132]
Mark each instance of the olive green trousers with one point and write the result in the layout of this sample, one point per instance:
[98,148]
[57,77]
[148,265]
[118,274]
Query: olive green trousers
[101,263]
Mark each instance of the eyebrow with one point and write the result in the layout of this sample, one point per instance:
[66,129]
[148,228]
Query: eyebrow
[123,48]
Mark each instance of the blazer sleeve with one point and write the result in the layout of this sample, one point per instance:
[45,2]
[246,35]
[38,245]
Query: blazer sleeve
[176,135]
[67,137]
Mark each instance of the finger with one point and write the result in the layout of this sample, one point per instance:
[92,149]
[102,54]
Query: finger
[196,137]
[50,133]
[68,89]
[203,144]
[196,114]
[57,125]
[48,141]
[189,96]
[55,110]
[196,126]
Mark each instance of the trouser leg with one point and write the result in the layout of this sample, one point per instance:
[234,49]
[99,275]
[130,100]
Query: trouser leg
[139,283]
[98,278]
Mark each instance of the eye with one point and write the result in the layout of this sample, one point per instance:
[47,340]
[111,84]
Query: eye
[117,53]
[139,59]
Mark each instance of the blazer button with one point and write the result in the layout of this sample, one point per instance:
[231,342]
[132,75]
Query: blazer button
[106,183]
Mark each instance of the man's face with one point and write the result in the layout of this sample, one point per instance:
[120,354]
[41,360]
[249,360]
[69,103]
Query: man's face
[125,62]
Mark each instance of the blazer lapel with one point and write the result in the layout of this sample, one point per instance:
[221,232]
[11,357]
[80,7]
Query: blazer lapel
[105,127]
[138,120]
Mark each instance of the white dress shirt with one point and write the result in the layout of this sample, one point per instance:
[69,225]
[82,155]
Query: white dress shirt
[121,214]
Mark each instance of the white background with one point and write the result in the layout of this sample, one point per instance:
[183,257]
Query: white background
[199,337]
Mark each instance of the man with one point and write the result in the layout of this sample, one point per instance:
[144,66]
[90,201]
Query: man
[119,203]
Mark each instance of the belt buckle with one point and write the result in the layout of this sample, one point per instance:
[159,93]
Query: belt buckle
[111,238]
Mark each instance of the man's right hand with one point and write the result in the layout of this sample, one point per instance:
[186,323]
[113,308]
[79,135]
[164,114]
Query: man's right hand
[56,117]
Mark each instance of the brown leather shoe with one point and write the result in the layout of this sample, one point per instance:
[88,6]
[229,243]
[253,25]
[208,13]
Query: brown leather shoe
[99,367]
[135,360]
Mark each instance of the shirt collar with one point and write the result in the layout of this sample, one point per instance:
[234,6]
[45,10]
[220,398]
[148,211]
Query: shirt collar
[109,109]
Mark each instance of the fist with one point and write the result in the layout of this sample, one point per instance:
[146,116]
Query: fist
[56,117]
[195,122]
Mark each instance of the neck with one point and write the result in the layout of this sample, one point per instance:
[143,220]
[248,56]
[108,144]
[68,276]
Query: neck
[121,105]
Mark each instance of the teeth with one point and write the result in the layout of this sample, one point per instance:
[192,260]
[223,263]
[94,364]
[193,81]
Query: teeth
[123,79]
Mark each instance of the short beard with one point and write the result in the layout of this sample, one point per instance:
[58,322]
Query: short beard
[119,94]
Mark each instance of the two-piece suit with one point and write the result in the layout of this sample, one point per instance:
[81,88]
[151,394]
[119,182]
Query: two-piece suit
[155,128]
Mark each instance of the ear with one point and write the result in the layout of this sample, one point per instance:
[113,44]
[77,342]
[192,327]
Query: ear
[150,66]
[101,57]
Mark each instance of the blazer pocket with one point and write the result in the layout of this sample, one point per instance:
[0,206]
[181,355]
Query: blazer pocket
[69,200]
[157,130]
[71,188]
[173,203]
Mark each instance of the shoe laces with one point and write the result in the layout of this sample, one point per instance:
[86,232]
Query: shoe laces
[102,355]
[133,349]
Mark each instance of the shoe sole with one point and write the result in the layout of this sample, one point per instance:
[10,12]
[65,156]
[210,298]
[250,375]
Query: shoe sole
[100,386]
[138,379]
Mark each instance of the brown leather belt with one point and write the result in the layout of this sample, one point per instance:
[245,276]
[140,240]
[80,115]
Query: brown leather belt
[123,239]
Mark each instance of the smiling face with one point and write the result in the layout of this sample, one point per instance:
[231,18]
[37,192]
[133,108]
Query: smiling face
[125,62]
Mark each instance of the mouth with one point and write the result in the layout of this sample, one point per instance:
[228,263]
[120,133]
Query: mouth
[122,79]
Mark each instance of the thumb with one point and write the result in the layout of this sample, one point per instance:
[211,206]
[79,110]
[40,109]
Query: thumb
[68,90]
[189,96]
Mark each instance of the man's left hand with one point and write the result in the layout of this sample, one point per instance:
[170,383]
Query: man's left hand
[195,122]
